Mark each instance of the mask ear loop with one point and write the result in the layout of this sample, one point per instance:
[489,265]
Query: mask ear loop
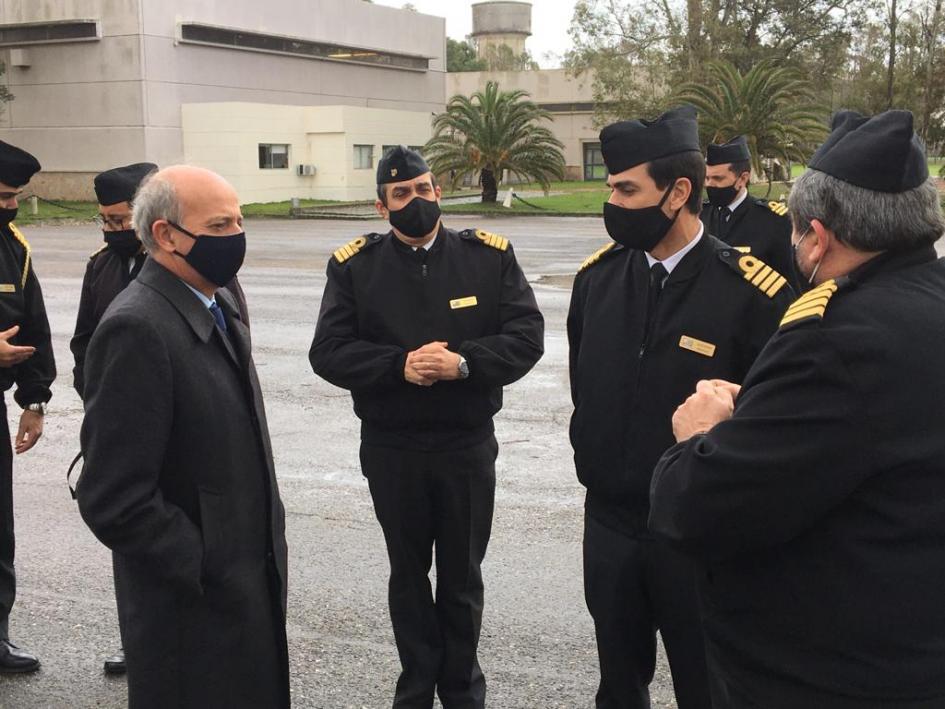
[665,197]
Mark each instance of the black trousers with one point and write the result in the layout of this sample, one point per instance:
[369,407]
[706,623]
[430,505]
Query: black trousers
[442,500]
[634,586]
[7,540]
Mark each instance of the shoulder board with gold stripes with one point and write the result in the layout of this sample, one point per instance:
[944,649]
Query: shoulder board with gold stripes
[493,240]
[779,208]
[754,270]
[596,256]
[354,247]
[18,235]
[812,305]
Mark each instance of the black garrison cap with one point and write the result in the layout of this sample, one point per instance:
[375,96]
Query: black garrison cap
[17,166]
[735,150]
[400,164]
[880,153]
[121,183]
[630,143]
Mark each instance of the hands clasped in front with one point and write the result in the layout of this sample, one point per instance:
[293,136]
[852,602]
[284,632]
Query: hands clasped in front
[430,364]
[712,403]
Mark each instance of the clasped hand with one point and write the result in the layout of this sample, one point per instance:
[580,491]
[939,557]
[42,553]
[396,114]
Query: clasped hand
[712,403]
[430,364]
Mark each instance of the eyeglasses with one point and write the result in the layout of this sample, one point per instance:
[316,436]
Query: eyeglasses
[113,223]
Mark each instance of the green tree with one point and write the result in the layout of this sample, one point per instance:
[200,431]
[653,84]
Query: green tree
[774,106]
[5,95]
[634,50]
[461,56]
[490,132]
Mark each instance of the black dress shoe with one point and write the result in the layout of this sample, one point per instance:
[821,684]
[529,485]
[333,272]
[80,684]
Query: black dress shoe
[12,659]
[115,665]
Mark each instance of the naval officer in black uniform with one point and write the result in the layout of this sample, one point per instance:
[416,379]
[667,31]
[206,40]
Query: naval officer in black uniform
[819,504]
[26,360]
[756,226]
[655,310]
[425,325]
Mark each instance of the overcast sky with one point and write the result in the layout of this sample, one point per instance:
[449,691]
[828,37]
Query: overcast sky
[550,20]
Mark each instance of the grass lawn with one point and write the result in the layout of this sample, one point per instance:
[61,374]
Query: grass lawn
[279,209]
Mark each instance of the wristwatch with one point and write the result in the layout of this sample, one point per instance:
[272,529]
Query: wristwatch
[463,368]
[38,408]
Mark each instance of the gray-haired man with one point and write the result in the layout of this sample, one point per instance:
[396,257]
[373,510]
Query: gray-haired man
[178,478]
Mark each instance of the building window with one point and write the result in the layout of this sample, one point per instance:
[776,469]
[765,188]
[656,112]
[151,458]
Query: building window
[273,156]
[594,167]
[48,32]
[363,157]
[196,33]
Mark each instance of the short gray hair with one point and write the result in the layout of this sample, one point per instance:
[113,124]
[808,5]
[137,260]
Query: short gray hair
[864,219]
[156,199]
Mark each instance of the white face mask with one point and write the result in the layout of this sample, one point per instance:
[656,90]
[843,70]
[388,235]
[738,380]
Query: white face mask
[797,265]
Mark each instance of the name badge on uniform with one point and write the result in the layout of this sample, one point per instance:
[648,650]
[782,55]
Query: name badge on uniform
[7,288]
[698,346]
[467,302]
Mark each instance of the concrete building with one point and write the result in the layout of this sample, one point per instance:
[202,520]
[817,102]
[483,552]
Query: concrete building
[100,83]
[501,23]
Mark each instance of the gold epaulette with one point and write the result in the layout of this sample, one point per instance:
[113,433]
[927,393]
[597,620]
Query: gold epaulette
[350,249]
[743,249]
[779,208]
[812,304]
[761,275]
[18,235]
[596,256]
[493,240]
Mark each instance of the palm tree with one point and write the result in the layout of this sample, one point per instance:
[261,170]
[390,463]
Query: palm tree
[492,131]
[772,105]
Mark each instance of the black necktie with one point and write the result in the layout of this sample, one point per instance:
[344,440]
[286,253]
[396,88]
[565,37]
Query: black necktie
[218,316]
[658,274]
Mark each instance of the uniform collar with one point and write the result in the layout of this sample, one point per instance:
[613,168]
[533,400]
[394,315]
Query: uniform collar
[671,262]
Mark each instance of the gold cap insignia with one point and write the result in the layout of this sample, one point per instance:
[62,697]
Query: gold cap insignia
[393,172]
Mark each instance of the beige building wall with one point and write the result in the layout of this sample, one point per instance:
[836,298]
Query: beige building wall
[225,137]
[570,101]
[83,107]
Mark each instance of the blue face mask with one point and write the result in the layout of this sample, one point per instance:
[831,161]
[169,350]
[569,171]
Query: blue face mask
[216,258]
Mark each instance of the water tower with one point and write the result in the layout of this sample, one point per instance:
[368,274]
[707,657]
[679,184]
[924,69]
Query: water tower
[497,23]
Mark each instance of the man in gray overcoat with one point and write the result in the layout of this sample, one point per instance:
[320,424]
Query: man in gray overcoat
[178,478]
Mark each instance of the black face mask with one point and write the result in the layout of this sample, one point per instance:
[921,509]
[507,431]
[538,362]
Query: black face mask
[124,242]
[216,258]
[417,219]
[722,196]
[7,216]
[642,228]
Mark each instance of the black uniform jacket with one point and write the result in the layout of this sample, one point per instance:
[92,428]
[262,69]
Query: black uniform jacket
[387,299]
[21,303]
[762,226]
[106,275]
[179,482]
[710,322]
[820,504]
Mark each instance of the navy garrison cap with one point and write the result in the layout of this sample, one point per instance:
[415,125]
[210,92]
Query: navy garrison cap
[880,153]
[400,164]
[735,150]
[121,183]
[630,143]
[17,166]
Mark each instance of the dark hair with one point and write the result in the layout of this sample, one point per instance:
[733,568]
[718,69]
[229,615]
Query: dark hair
[739,167]
[382,189]
[690,164]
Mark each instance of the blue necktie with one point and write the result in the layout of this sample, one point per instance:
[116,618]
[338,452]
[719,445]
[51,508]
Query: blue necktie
[218,316]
